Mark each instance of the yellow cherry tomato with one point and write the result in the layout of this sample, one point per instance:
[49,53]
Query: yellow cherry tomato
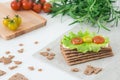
[12,25]
[17,19]
[87,39]
[6,21]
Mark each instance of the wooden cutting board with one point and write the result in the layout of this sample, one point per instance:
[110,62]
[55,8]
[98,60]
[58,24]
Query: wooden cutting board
[30,21]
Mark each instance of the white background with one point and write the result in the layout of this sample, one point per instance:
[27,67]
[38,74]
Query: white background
[44,36]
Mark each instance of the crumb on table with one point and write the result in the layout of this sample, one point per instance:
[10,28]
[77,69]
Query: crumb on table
[13,67]
[92,70]
[18,76]
[21,44]
[48,49]
[7,52]
[21,50]
[31,68]
[2,72]
[18,62]
[75,70]
[40,70]
[44,53]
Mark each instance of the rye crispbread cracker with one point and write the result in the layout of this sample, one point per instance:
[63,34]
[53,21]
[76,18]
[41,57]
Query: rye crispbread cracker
[73,57]
[18,76]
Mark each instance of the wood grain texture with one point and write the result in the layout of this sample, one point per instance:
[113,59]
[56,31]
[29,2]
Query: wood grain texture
[30,21]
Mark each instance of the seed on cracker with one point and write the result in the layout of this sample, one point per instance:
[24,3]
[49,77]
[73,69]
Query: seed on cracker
[17,62]
[2,72]
[20,50]
[18,76]
[48,49]
[31,68]
[13,67]
[50,57]
[44,53]
[75,70]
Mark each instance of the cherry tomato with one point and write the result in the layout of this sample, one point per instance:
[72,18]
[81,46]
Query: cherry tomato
[77,41]
[98,39]
[47,7]
[27,4]
[17,19]
[37,7]
[6,21]
[12,25]
[16,5]
[42,1]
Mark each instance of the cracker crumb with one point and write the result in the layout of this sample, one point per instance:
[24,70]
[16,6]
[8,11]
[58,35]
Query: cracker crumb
[6,60]
[18,76]
[75,70]
[11,56]
[52,54]
[36,42]
[40,70]
[2,72]
[7,52]
[21,44]
[50,57]
[31,68]
[21,50]
[13,67]
[97,70]
[44,53]
[48,49]
[92,70]
[18,62]
[89,70]
[1,59]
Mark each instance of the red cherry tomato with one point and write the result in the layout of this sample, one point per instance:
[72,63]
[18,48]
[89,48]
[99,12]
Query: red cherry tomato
[16,5]
[47,7]
[98,39]
[37,7]
[27,4]
[77,41]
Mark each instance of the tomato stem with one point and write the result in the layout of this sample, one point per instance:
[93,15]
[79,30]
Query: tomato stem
[7,17]
[16,15]
[37,1]
[17,0]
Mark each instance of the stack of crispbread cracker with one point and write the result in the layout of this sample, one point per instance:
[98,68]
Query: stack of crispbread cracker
[73,57]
